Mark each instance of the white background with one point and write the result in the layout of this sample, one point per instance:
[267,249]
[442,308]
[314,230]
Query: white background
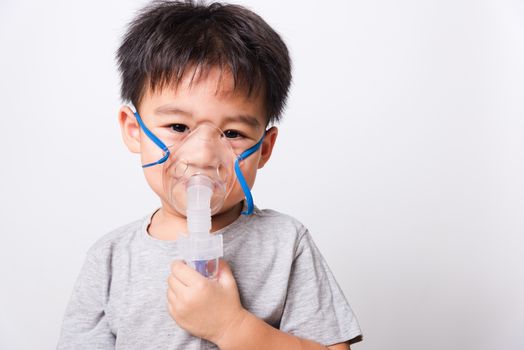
[402,149]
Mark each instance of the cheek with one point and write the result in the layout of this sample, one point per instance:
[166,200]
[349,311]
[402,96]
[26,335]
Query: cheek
[153,177]
[249,171]
[149,152]
[249,168]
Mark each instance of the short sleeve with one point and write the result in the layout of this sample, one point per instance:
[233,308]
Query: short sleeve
[315,306]
[85,324]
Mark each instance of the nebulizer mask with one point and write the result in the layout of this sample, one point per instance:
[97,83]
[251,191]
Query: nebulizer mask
[200,167]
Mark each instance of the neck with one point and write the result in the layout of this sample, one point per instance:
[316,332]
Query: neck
[167,224]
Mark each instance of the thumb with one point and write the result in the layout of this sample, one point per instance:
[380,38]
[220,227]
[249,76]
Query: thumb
[225,275]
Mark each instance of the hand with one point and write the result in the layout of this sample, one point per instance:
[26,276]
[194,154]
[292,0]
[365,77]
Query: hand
[204,307]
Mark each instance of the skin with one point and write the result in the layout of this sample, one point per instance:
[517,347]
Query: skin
[207,308]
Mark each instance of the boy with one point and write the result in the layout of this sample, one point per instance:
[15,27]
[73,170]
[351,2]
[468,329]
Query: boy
[190,69]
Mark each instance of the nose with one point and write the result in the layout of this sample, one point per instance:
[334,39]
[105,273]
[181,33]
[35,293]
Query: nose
[203,148]
[203,155]
[206,133]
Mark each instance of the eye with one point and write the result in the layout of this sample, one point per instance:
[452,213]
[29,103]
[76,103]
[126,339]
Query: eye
[233,134]
[181,128]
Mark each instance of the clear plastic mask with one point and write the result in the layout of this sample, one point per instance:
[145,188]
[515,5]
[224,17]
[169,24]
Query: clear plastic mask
[203,151]
[200,149]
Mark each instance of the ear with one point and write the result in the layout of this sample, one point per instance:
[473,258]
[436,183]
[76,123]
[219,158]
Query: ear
[267,146]
[129,128]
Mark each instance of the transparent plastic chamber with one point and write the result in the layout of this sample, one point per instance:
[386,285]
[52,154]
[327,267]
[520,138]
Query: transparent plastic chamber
[200,249]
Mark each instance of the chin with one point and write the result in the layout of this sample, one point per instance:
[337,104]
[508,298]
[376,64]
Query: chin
[227,208]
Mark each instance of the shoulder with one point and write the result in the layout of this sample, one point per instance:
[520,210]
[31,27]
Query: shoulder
[284,229]
[118,238]
[275,218]
[276,227]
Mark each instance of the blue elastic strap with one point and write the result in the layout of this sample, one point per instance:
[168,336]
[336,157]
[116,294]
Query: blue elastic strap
[155,139]
[242,180]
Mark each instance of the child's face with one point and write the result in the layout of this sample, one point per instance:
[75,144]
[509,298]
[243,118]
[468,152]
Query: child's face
[210,99]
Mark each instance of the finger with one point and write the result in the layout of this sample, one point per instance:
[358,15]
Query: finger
[223,267]
[176,264]
[175,286]
[185,274]
[225,276]
[171,297]
[171,303]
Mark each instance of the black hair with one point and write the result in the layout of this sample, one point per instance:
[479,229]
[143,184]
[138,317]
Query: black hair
[169,37]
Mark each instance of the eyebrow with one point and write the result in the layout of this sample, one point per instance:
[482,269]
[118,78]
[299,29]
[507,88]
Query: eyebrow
[241,118]
[246,119]
[169,109]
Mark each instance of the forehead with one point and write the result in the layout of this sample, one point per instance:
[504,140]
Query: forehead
[212,93]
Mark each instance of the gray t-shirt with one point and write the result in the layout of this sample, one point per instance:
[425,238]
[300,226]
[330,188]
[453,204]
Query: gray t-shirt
[120,298]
